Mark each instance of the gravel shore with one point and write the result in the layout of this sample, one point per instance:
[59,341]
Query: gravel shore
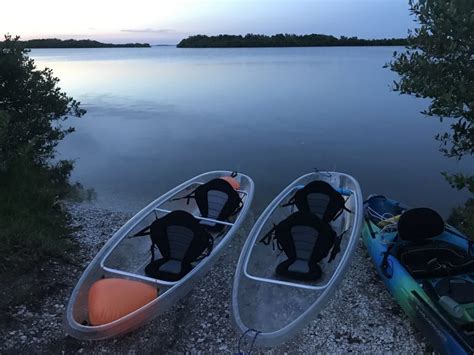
[362,317]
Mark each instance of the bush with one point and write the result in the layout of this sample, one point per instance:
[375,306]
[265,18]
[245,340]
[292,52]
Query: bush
[33,226]
[463,218]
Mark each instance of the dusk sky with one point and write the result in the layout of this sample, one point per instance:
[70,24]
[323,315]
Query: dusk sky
[166,22]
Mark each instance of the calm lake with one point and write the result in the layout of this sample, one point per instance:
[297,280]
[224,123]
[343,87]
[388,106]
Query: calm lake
[158,116]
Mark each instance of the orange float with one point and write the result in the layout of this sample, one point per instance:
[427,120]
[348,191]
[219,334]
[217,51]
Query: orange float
[112,299]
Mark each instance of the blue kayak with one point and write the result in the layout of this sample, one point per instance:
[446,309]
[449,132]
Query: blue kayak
[428,267]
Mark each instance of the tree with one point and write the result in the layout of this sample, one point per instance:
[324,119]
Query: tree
[439,64]
[282,40]
[4,120]
[34,103]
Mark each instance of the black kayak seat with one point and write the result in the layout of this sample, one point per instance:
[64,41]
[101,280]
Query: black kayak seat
[318,203]
[424,256]
[419,224]
[306,240]
[181,240]
[435,258]
[216,203]
[320,199]
[216,199]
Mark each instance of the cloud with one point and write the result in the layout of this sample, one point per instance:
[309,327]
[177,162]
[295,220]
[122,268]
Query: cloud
[149,30]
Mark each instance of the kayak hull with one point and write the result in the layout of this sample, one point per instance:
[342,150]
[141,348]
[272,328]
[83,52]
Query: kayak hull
[269,309]
[410,293]
[124,256]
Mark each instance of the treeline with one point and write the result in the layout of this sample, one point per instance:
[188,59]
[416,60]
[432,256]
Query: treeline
[284,40]
[72,43]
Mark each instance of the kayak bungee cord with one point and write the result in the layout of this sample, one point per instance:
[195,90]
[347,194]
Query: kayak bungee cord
[380,217]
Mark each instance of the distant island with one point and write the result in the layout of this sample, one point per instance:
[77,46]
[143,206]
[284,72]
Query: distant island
[72,43]
[284,40]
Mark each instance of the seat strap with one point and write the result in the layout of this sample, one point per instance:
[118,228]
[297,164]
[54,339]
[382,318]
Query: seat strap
[344,208]
[208,249]
[267,238]
[152,250]
[241,205]
[188,197]
[336,248]
[291,202]
[270,238]
[142,232]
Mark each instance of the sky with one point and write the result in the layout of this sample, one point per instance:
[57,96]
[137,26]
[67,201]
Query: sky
[168,21]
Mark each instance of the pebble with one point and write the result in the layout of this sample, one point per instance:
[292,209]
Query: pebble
[358,319]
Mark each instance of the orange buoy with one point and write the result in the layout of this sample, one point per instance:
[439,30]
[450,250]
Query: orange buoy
[234,183]
[111,299]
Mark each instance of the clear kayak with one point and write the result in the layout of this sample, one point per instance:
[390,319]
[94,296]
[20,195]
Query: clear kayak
[268,308]
[126,255]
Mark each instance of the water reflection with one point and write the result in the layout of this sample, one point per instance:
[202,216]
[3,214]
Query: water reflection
[159,116]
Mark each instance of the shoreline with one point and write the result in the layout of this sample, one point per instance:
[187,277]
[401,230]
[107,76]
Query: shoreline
[358,318]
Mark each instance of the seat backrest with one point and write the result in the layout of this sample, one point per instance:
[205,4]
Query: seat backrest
[179,236]
[419,224]
[304,240]
[305,237]
[217,199]
[320,199]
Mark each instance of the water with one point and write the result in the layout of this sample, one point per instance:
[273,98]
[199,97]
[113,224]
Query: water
[159,116]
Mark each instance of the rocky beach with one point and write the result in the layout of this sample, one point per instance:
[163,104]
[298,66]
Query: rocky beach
[362,317]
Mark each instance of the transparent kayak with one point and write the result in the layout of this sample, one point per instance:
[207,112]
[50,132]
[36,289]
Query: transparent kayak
[270,309]
[126,256]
